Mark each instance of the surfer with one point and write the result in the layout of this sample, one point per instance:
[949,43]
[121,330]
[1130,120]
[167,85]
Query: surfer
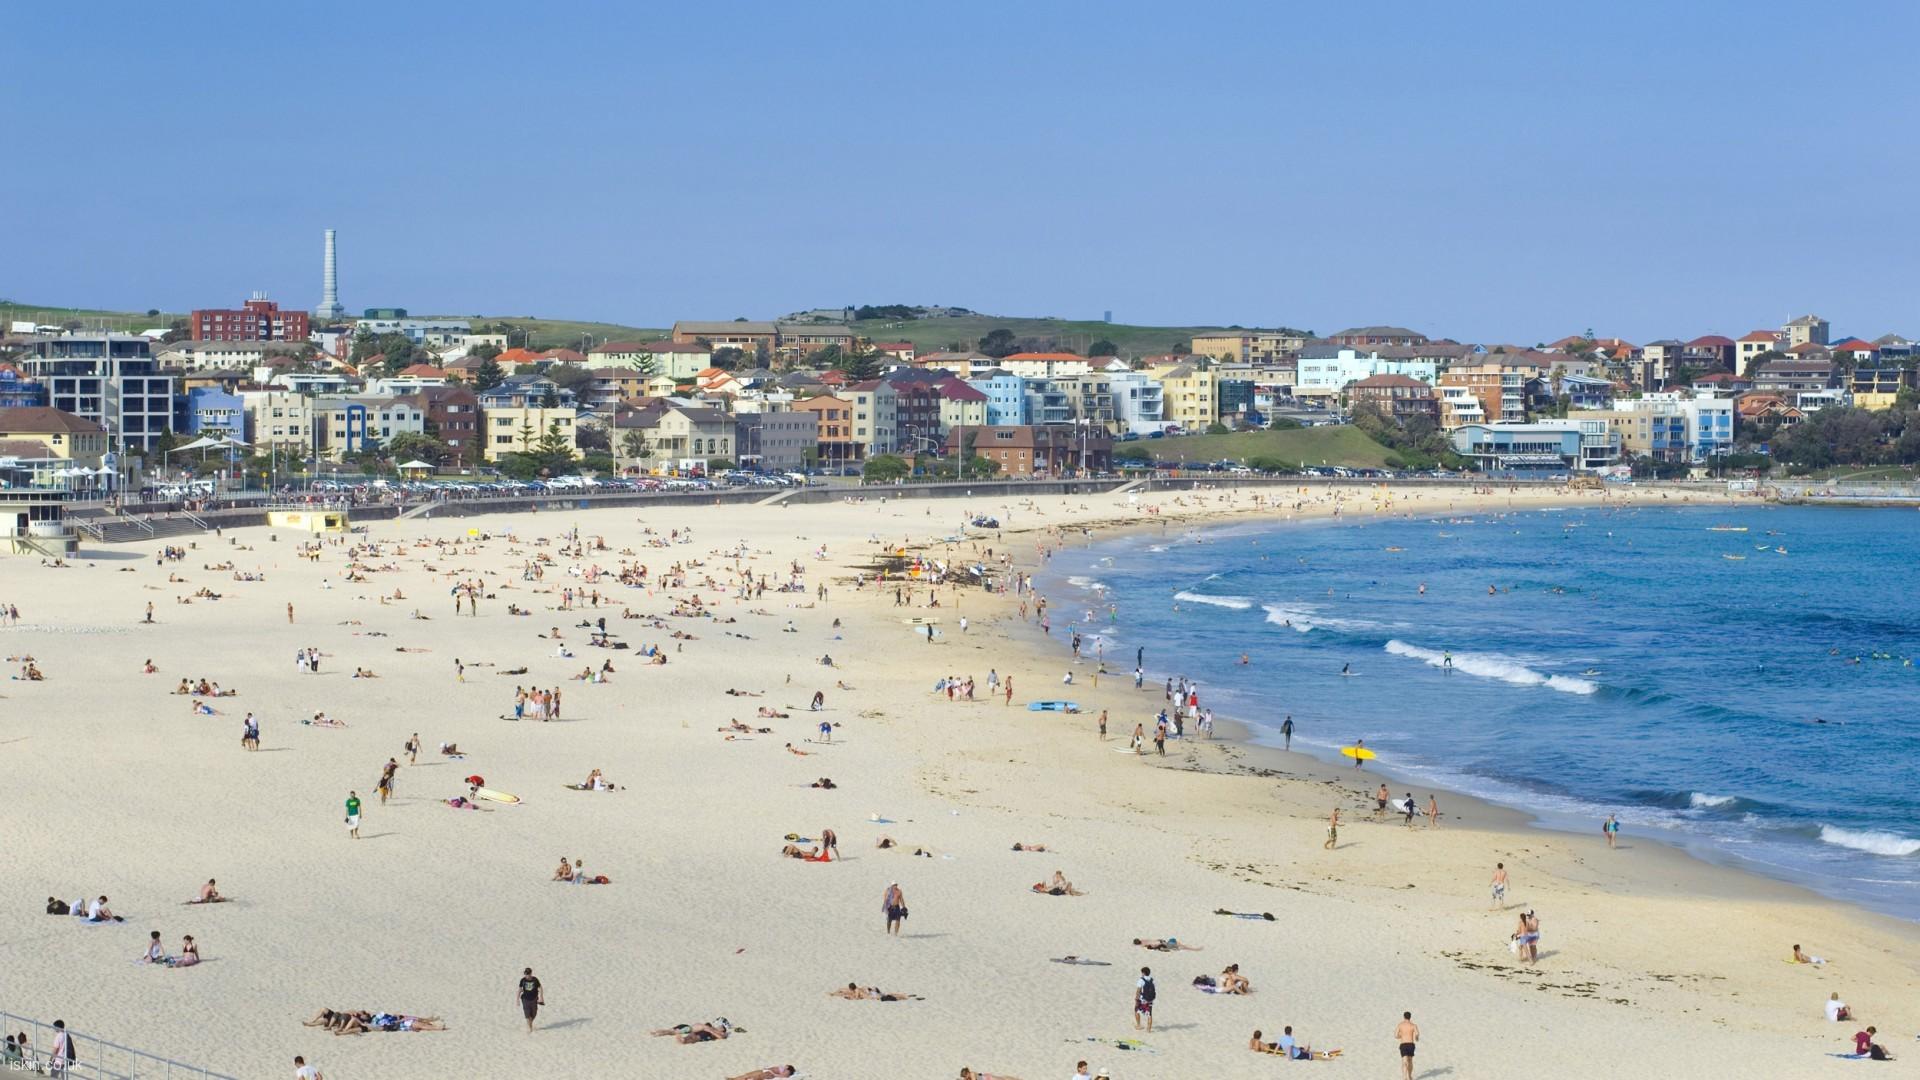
[1446,660]
[1359,757]
[1286,732]
[1346,669]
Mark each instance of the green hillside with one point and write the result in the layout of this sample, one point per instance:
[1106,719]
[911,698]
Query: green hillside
[965,331]
[1344,446]
[129,322]
[566,333]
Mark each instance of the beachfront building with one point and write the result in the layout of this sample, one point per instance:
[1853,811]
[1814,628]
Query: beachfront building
[960,405]
[110,379]
[1089,397]
[1670,426]
[965,365]
[278,420]
[675,438]
[354,424]
[1538,449]
[1006,395]
[39,434]
[1030,450]
[833,429]
[220,355]
[873,404]
[453,417]
[1498,392]
[513,429]
[1139,402]
[1326,370]
[212,412]
[782,439]
[1189,395]
[1396,396]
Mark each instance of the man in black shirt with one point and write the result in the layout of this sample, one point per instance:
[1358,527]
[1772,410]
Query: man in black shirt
[531,997]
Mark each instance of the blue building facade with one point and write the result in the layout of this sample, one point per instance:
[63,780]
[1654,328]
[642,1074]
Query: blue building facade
[1007,404]
[213,412]
[19,393]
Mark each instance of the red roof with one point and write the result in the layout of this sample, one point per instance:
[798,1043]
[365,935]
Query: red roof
[422,371]
[1854,344]
[518,355]
[1710,341]
[833,377]
[1390,381]
[1047,356]
[893,346]
[1762,335]
[955,390]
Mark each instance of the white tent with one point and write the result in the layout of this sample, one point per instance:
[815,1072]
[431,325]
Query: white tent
[200,443]
[416,464]
[230,441]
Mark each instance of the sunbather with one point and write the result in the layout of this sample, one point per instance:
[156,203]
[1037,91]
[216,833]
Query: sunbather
[719,1029]
[855,992]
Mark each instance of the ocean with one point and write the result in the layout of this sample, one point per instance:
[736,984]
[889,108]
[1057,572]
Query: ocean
[1670,666]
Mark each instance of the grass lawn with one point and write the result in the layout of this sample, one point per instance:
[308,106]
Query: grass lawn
[1344,446]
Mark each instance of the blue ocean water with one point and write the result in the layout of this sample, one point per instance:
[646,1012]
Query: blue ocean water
[1652,663]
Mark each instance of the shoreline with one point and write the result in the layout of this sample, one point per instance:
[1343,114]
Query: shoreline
[1489,814]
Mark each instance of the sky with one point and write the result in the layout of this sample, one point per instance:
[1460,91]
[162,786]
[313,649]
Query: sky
[1489,172]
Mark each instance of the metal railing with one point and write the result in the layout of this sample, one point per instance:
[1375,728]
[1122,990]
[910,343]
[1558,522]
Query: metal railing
[193,517]
[99,1059]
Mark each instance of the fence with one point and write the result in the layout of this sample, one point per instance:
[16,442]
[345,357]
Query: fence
[99,1059]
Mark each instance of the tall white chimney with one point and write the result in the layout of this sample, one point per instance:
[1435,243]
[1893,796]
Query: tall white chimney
[330,286]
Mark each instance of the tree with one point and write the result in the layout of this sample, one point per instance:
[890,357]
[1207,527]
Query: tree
[488,375]
[1753,365]
[592,437]
[728,358]
[1103,347]
[999,342]
[885,468]
[570,376]
[858,366]
[1218,428]
[413,446]
[718,464]
[634,445]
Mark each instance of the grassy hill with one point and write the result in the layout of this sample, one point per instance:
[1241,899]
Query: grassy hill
[127,322]
[965,331]
[1345,446]
[566,333]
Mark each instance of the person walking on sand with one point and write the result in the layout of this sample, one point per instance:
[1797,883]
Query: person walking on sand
[304,1071]
[385,786]
[1610,828]
[353,814]
[413,749]
[1143,995]
[1433,812]
[1333,831]
[1103,725]
[61,1055]
[1407,1034]
[1500,885]
[893,903]
[1009,686]
[459,670]
[1528,935]
[289,611]
[1286,732]
[531,997]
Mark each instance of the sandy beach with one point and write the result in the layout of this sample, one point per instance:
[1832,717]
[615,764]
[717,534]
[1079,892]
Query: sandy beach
[1651,962]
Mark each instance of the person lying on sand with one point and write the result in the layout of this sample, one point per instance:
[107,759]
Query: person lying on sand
[771,714]
[208,895]
[825,782]
[735,725]
[1165,945]
[771,1072]
[1290,1049]
[1802,958]
[719,1029]
[1018,846]
[731,692]
[854,992]
[799,753]
[335,1019]
[810,855]
[1058,885]
[969,1074]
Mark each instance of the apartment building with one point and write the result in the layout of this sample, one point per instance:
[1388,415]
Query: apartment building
[1498,394]
[351,424]
[278,419]
[110,379]
[258,319]
[833,427]
[515,429]
[1189,396]
[1036,449]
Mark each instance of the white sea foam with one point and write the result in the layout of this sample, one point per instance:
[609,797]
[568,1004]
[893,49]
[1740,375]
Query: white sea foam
[1306,618]
[1237,603]
[1879,843]
[1708,802]
[1158,547]
[1086,583]
[1494,666]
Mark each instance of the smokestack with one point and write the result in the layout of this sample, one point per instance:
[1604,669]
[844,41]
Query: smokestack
[330,285]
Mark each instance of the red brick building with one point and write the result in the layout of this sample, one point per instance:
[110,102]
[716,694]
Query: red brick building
[259,319]
[1037,449]
[1396,396]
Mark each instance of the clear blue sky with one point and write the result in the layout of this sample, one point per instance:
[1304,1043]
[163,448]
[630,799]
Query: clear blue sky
[1505,172]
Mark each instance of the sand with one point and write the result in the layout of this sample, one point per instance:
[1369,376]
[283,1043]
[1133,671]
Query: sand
[1653,963]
